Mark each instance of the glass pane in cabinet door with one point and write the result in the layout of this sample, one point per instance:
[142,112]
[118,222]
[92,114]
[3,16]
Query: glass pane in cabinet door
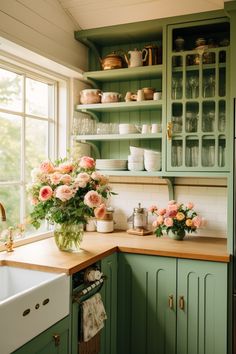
[208,58]
[208,151]
[191,117]
[177,79]
[221,118]
[192,152]
[209,83]
[208,116]
[176,153]
[177,118]
[222,82]
[221,151]
[222,56]
[192,84]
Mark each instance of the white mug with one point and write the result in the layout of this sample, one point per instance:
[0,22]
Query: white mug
[156,128]
[140,95]
[157,96]
[145,129]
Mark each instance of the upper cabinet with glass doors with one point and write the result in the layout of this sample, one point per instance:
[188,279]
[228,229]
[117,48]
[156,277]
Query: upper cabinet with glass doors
[197,104]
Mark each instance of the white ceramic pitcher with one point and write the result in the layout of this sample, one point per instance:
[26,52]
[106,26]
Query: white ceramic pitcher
[136,57]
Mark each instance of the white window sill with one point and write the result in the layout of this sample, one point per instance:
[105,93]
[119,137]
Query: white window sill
[28,239]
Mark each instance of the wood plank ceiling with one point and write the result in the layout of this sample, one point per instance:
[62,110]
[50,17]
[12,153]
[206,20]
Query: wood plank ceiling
[88,14]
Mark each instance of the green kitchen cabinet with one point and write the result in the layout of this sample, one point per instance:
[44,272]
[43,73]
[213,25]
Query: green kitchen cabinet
[202,307]
[168,306]
[109,296]
[198,96]
[55,340]
[146,304]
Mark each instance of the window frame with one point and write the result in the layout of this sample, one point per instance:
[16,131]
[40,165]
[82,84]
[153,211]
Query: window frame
[61,126]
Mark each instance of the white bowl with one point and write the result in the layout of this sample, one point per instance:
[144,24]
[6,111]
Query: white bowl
[135,158]
[127,128]
[135,166]
[152,166]
[136,151]
[151,153]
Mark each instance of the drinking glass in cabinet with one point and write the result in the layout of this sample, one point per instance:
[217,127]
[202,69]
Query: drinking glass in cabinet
[191,122]
[177,153]
[192,153]
[221,125]
[209,86]
[208,153]
[177,124]
[208,121]
[83,126]
[221,153]
[177,88]
[192,86]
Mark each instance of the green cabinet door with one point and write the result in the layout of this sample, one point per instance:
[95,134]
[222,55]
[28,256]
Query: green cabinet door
[146,304]
[55,340]
[201,307]
[109,296]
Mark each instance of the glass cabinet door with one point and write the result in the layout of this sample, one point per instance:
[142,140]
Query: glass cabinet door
[197,98]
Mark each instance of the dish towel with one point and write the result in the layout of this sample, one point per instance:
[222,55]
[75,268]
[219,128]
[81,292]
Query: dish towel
[92,317]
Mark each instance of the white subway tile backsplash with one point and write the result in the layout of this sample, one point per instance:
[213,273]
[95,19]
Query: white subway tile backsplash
[210,202]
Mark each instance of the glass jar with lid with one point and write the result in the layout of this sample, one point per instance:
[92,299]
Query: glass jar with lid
[140,218]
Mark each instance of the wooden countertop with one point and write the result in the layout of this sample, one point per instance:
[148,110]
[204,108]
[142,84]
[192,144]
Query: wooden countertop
[44,254]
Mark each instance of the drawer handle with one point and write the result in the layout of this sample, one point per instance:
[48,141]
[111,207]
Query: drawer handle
[181,302]
[169,130]
[57,339]
[171,301]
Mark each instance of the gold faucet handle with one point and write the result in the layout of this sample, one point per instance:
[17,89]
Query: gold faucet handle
[169,130]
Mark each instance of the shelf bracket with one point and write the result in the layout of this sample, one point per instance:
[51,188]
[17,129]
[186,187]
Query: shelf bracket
[91,46]
[170,185]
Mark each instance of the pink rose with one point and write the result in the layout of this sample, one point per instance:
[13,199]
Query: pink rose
[152,208]
[92,199]
[46,167]
[100,211]
[83,178]
[197,221]
[155,224]
[171,202]
[45,193]
[64,193]
[160,219]
[66,167]
[161,211]
[87,162]
[168,222]
[96,176]
[189,205]
[66,179]
[34,201]
[55,178]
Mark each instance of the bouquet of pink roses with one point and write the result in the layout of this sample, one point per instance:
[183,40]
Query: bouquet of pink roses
[67,192]
[176,217]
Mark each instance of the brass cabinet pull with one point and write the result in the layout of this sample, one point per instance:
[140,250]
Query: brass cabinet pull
[181,302]
[169,130]
[171,301]
[57,339]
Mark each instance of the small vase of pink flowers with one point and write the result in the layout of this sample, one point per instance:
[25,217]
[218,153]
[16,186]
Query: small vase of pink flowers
[175,220]
[67,193]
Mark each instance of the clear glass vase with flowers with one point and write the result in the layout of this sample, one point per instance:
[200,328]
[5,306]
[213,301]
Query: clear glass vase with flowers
[175,220]
[67,193]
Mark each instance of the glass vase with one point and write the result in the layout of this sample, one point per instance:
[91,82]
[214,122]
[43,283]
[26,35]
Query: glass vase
[176,235]
[68,237]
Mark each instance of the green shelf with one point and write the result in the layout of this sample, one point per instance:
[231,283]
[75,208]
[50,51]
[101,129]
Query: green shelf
[142,72]
[133,173]
[120,106]
[105,137]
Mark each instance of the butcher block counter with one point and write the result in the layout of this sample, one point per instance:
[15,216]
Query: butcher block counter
[44,254]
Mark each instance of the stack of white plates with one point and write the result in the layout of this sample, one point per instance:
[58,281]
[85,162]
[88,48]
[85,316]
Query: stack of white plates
[111,164]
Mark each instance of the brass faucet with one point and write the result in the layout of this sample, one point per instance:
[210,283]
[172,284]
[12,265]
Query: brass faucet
[3,212]
[9,241]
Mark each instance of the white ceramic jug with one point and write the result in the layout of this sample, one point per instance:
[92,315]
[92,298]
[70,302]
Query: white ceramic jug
[136,57]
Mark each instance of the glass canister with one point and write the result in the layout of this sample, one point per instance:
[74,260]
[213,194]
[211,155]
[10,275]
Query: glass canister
[140,218]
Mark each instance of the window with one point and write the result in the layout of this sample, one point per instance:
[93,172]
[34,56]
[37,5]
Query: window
[27,134]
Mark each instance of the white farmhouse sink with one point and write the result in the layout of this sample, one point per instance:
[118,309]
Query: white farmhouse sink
[30,302]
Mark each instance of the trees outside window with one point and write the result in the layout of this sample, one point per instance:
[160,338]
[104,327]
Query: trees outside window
[27,135]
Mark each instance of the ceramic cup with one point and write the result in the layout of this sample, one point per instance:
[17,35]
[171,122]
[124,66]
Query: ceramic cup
[146,129]
[157,96]
[155,128]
